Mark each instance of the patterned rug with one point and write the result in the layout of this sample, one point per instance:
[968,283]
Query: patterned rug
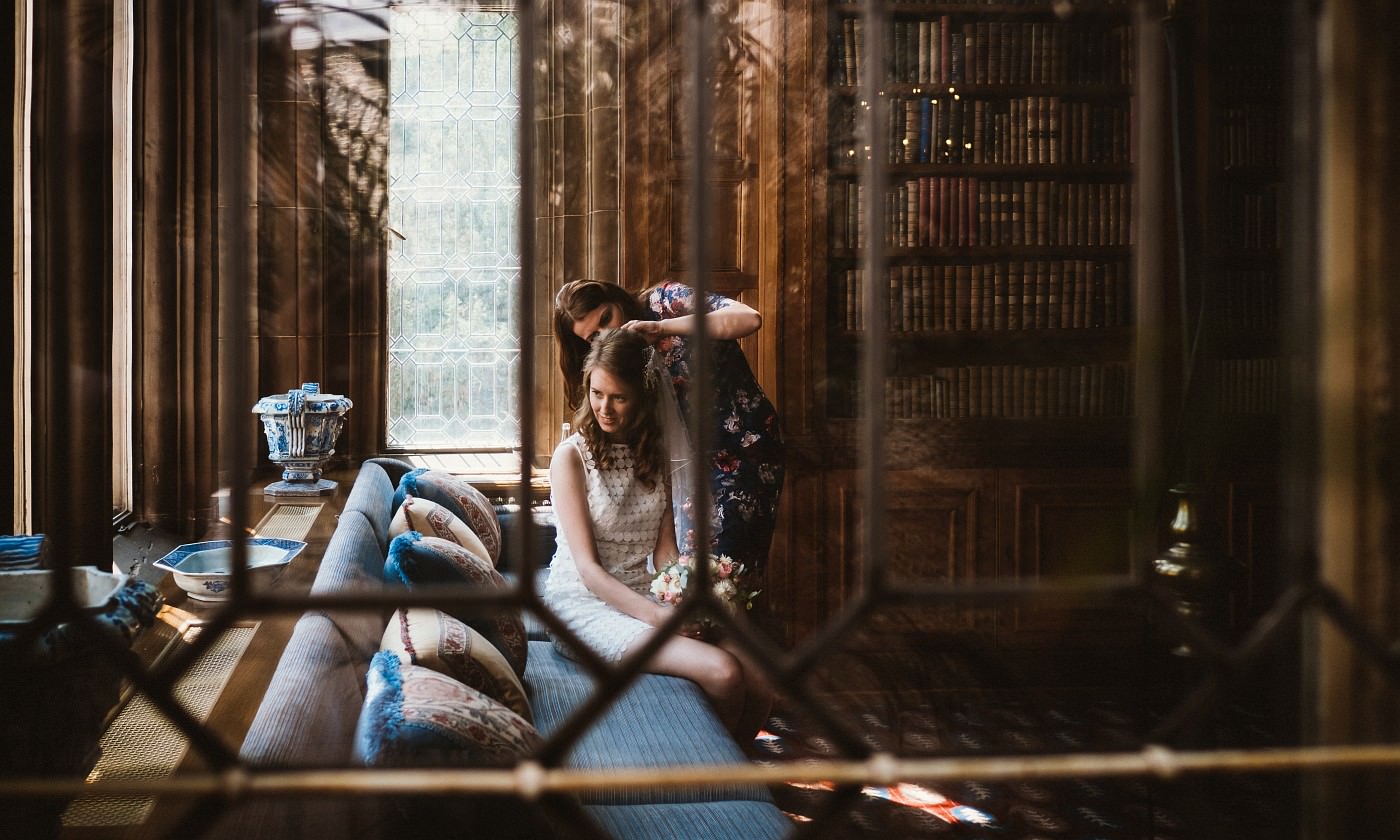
[1234,806]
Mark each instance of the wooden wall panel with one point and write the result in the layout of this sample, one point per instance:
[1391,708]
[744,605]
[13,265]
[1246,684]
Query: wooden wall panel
[1058,526]
[938,523]
[731,236]
[939,528]
[658,161]
[804,580]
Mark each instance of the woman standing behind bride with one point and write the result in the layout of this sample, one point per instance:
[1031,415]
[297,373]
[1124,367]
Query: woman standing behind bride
[611,493]
[745,460]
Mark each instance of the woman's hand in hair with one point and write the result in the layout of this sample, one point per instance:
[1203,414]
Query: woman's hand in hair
[652,331]
[736,320]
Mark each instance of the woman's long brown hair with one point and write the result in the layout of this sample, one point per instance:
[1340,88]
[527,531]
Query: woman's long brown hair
[627,356]
[573,302]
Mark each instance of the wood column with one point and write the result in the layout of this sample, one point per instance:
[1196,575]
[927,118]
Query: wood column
[1358,508]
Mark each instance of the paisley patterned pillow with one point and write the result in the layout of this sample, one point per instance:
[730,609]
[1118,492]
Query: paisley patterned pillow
[414,716]
[433,639]
[459,496]
[432,519]
[417,561]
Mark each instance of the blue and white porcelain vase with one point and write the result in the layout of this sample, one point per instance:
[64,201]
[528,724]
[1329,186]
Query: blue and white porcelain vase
[302,427]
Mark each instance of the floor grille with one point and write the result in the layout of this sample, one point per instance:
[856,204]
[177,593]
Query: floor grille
[141,744]
[288,521]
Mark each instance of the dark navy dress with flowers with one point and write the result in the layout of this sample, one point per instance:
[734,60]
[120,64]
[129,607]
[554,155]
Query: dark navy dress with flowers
[746,463]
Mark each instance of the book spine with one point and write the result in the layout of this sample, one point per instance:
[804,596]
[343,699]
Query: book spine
[925,130]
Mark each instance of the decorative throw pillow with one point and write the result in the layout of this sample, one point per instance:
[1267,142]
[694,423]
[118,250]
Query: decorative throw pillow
[23,552]
[459,496]
[433,520]
[415,560]
[433,639]
[414,716]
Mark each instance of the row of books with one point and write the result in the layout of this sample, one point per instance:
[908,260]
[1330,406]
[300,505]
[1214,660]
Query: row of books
[1250,135]
[1253,68]
[1248,299]
[943,49]
[967,211]
[1247,386]
[1016,130]
[1005,295]
[1251,213]
[1003,391]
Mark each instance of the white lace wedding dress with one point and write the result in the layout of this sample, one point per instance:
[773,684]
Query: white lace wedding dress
[626,517]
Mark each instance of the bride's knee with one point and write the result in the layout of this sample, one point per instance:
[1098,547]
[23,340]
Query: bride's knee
[724,675]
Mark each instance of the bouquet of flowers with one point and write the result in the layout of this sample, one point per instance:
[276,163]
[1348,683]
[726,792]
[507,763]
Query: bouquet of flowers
[672,583]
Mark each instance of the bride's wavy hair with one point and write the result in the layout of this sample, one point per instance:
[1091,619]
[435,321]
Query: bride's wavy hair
[627,357]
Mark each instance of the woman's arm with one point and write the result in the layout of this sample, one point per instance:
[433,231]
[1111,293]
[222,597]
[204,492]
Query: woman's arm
[736,320]
[570,494]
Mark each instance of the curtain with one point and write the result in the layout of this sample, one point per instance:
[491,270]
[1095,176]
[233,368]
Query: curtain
[176,265]
[313,293]
[70,271]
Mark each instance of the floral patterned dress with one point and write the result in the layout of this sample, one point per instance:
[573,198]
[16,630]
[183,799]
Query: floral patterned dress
[746,462]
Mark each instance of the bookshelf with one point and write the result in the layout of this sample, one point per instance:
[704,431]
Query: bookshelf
[1246,102]
[1242,113]
[1007,214]
[1008,261]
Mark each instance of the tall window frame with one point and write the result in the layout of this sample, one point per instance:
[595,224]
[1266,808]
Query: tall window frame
[454,263]
[19,491]
[123,275]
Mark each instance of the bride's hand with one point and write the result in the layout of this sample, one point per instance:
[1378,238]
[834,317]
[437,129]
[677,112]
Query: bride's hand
[690,629]
[661,613]
[693,630]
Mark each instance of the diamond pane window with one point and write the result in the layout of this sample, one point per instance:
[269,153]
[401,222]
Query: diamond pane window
[454,193]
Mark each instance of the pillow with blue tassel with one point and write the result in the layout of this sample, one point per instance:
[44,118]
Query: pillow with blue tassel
[416,561]
[416,717]
[459,496]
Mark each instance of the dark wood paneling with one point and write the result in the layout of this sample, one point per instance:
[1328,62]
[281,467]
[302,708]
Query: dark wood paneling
[805,577]
[1057,527]
[657,180]
[70,426]
[939,527]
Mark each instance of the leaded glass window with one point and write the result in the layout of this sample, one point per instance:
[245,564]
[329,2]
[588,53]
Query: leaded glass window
[454,263]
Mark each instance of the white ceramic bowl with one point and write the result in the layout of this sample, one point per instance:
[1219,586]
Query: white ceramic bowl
[205,569]
[24,593]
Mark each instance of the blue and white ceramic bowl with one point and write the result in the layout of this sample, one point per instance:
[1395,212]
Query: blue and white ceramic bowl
[205,569]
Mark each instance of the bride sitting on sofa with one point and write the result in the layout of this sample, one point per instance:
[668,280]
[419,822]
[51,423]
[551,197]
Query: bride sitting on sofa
[612,495]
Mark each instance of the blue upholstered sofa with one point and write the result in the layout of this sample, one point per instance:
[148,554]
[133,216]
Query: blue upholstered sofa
[310,712]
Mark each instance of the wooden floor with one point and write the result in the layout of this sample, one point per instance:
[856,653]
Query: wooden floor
[237,702]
